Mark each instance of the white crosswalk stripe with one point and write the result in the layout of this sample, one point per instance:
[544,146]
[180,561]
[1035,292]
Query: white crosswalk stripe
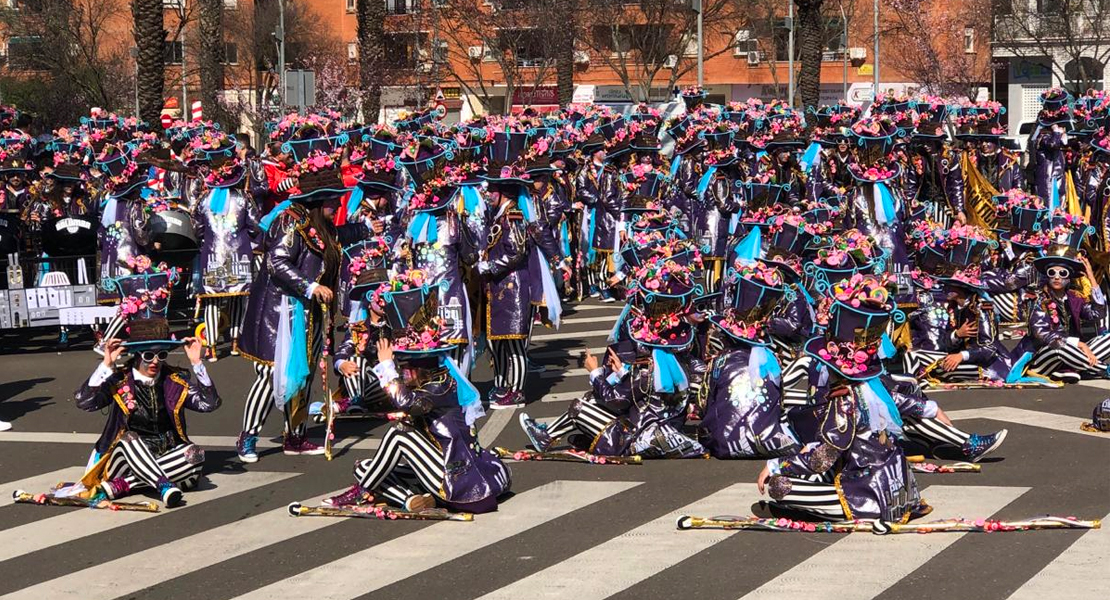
[38,483]
[72,524]
[1079,566]
[381,565]
[876,563]
[632,557]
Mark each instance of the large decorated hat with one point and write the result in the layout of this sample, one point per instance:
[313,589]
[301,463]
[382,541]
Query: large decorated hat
[411,307]
[16,158]
[980,121]
[1055,108]
[318,178]
[1092,111]
[966,244]
[121,172]
[755,288]
[1059,255]
[367,266]
[873,141]
[857,318]
[433,195]
[793,232]
[1067,229]
[223,171]
[151,333]
[506,154]
[423,158]
[968,278]
[1022,210]
[693,96]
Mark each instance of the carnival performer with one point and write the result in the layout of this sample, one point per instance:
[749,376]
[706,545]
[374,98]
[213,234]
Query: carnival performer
[16,169]
[875,206]
[226,224]
[144,444]
[432,456]
[934,176]
[290,300]
[598,191]
[1047,146]
[354,359]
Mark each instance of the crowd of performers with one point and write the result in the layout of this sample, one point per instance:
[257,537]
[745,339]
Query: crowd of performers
[793,284]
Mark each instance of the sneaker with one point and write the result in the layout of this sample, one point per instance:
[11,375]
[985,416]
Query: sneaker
[594,292]
[234,347]
[977,446]
[63,339]
[607,296]
[536,432]
[4,425]
[115,488]
[501,398]
[536,367]
[419,502]
[353,497]
[300,446]
[1066,376]
[171,495]
[245,447]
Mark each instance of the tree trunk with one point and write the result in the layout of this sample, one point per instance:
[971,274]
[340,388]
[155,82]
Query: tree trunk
[811,39]
[563,37]
[371,50]
[149,41]
[211,58]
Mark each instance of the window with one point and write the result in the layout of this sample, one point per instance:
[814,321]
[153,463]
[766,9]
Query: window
[231,4]
[526,45]
[1002,7]
[439,51]
[23,53]
[231,54]
[402,50]
[173,53]
[616,40]
[352,51]
[451,93]
[352,6]
[171,3]
[969,40]
[1050,7]
[400,7]
[689,45]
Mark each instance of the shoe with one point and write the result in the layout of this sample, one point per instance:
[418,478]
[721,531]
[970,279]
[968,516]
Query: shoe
[501,398]
[977,446]
[115,488]
[1066,376]
[245,447]
[235,347]
[353,497]
[171,495]
[419,502]
[536,432]
[594,292]
[300,446]
[607,297]
[4,425]
[63,339]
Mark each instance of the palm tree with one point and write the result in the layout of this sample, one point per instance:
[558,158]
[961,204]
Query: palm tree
[563,16]
[211,57]
[150,42]
[811,39]
[371,50]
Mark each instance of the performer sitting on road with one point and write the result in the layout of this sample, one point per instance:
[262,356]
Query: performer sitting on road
[144,445]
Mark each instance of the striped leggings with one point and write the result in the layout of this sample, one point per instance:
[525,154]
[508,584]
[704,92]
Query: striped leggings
[916,361]
[236,308]
[363,385]
[795,382]
[598,271]
[423,466]
[584,416]
[813,497]
[133,461]
[510,363]
[1049,360]
[260,398]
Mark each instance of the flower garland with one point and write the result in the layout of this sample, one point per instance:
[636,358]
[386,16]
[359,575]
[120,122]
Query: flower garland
[372,252]
[847,357]
[316,161]
[1018,198]
[759,272]
[401,282]
[1038,239]
[740,328]
[215,176]
[958,234]
[658,330]
[798,221]
[661,274]
[862,290]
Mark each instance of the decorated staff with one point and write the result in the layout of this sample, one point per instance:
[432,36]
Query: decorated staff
[880,527]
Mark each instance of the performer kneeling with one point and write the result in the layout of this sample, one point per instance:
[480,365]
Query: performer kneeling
[436,443]
[144,444]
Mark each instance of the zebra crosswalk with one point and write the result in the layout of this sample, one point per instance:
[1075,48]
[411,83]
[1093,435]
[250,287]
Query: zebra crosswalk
[643,548]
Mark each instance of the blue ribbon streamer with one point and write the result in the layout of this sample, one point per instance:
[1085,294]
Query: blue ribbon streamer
[751,247]
[676,164]
[892,419]
[884,213]
[296,369]
[469,398]
[354,201]
[108,212]
[811,157]
[424,228]
[1017,372]
[590,252]
[886,347]
[669,375]
[763,364]
[217,200]
[524,203]
[471,199]
[268,220]
[706,179]
[564,237]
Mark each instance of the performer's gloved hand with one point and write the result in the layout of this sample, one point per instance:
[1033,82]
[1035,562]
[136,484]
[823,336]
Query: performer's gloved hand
[193,349]
[113,349]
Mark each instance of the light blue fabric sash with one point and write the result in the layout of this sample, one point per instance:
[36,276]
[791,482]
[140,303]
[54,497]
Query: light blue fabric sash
[469,398]
[668,375]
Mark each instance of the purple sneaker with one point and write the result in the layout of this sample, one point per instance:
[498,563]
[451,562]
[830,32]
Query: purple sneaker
[536,432]
[501,398]
[116,488]
[353,497]
[300,446]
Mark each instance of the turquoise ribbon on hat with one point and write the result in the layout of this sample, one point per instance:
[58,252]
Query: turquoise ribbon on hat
[882,411]
[763,364]
[590,252]
[524,203]
[706,179]
[471,199]
[564,238]
[1054,195]
[268,220]
[750,249]
[884,205]
[469,398]
[1017,372]
[811,157]
[676,164]
[669,376]
[886,347]
[293,345]
[217,200]
[354,201]
[424,228]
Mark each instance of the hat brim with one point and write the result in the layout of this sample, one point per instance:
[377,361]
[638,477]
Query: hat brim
[320,194]
[1042,263]
[236,179]
[684,336]
[143,346]
[874,368]
[716,321]
[376,185]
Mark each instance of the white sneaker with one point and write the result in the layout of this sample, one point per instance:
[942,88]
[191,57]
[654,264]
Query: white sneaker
[4,425]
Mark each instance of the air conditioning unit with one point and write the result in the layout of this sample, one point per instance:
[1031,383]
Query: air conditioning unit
[671,62]
[475,52]
[753,58]
[857,53]
[581,57]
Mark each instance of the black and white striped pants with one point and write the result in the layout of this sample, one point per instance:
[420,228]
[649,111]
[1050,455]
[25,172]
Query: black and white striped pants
[114,327]
[584,416]
[260,398]
[1050,360]
[916,361]
[363,385]
[236,309]
[795,382]
[510,363]
[1007,307]
[423,465]
[133,461]
[714,271]
[598,271]
[813,497]
[940,213]
[932,432]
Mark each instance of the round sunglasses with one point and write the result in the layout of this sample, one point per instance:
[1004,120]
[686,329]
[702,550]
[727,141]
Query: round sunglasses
[1058,272]
[150,355]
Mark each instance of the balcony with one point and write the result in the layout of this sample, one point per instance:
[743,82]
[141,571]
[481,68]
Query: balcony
[401,7]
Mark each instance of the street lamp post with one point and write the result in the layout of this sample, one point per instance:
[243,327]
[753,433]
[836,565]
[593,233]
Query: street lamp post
[844,46]
[184,73]
[790,50]
[279,37]
[696,6]
[875,91]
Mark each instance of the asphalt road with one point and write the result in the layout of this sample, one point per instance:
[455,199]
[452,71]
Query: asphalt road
[569,531]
